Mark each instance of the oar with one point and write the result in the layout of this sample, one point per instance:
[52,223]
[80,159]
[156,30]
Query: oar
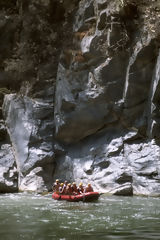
[83,196]
[45,193]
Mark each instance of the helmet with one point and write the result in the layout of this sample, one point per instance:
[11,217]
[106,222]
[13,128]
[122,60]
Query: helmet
[57,180]
[73,183]
[61,184]
[81,184]
[69,184]
[89,184]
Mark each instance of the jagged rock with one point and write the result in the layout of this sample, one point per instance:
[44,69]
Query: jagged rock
[153,108]
[30,127]
[88,167]
[74,122]
[140,68]
[8,170]
[3,131]
[133,169]
[91,106]
[85,11]
[38,180]
[102,20]
[123,190]
[125,177]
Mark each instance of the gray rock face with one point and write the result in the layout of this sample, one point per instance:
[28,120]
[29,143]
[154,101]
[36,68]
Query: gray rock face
[8,166]
[112,165]
[30,126]
[8,170]
[28,67]
[107,103]
[85,105]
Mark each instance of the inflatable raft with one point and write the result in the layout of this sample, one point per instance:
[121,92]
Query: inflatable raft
[85,197]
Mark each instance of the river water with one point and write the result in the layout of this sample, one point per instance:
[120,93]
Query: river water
[27,216]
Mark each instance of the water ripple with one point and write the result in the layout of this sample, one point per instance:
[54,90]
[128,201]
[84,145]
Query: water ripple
[109,218]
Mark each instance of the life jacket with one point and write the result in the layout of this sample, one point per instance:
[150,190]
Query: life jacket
[81,189]
[64,189]
[88,189]
[75,190]
[61,190]
[69,190]
[56,187]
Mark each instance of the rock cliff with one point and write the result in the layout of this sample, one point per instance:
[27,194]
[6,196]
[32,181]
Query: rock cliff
[79,95]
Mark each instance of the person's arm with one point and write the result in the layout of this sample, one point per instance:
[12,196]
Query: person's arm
[78,190]
[53,187]
[60,190]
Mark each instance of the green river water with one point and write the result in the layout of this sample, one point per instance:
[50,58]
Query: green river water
[26,216]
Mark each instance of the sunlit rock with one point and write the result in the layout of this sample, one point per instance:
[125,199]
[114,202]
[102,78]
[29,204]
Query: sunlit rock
[33,182]
[8,170]
[31,136]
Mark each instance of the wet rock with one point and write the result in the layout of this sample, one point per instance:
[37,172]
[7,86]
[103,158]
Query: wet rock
[123,190]
[34,181]
[125,177]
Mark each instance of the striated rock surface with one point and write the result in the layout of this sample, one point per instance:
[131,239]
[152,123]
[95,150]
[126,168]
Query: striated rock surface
[30,126]
[80,94]
[8,170]
[8,166]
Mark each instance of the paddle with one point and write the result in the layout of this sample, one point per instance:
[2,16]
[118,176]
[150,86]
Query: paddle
[45,193]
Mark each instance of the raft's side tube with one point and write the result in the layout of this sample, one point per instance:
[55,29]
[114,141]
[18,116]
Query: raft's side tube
[90,196]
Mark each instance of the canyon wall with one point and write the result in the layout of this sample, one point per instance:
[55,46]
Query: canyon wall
[79,95]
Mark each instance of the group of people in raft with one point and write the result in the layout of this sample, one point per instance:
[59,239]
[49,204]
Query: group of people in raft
[71,189]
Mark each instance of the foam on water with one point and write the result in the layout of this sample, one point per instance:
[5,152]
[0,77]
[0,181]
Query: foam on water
[27,216]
